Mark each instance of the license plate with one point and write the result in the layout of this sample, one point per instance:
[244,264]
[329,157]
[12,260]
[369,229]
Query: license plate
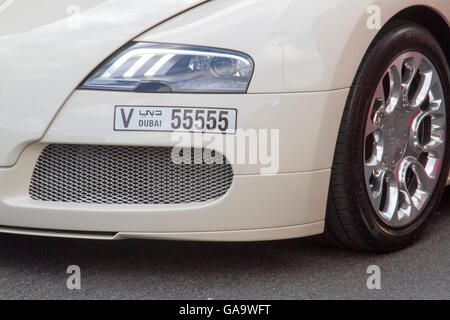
[187,119]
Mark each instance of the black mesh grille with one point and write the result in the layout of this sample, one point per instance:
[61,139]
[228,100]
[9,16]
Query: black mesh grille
[127,175]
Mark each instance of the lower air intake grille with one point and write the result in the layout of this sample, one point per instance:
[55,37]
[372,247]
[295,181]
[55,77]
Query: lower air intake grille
[127,175]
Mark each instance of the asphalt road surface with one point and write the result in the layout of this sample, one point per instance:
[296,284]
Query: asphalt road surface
[35,268]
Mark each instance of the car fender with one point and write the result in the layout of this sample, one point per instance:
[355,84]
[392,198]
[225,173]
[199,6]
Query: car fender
[322,51]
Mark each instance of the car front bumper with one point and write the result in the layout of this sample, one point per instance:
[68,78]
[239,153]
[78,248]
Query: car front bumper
[288,204]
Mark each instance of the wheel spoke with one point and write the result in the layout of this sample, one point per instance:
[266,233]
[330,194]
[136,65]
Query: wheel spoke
[428,129]
[376,112]
[388,208]
[371,127]
[425,182]
[413,150]
[409,71]
[419,98]
[407,208]
[375,149]
[409,66]
[414,185]
[376,184]
[432,165]
[395,89]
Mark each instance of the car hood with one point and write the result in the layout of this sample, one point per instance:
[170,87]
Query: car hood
[48,47]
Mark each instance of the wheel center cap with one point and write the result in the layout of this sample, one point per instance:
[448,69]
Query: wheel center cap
[396,137]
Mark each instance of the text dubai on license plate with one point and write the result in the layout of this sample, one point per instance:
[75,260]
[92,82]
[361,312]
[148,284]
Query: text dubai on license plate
[185,119]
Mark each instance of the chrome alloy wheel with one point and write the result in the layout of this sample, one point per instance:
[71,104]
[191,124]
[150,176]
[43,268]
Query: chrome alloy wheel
[405,139]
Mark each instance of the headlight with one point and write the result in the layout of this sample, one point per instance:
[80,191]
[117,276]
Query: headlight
[151,67]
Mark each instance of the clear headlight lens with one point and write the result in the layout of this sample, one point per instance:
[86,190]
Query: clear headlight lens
[152,67]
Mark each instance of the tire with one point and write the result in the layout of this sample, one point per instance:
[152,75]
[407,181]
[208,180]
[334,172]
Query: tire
[352,219]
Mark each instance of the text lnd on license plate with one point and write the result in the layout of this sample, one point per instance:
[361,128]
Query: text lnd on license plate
[185,119]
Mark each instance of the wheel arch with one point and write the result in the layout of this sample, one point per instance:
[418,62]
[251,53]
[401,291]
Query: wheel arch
[430,19]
